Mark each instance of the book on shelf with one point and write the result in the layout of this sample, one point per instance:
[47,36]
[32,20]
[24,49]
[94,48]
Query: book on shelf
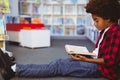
[69,30]
[57,10]
[11,19]
[57,30]
[35,8]
[74,1]
[69,21]
[81,21]
[47,10]
[47,20]
[70,10]
[81,30]
[25,20]
[81,10]
[24,8]
[4,6]
[73,50]
[57,20]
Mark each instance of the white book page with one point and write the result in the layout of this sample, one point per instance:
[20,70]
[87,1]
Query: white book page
[72,49]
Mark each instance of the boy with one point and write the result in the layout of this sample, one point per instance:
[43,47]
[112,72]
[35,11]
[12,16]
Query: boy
[105,14]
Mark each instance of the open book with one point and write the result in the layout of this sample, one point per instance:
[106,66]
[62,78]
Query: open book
[73,49]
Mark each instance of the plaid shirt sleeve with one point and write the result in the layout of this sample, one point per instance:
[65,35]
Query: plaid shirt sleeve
[110,48]
[110,52]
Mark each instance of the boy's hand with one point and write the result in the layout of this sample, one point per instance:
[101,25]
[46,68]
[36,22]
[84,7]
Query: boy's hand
[78,57]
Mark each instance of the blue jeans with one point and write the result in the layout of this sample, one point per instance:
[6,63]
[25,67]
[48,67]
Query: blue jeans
[62,67]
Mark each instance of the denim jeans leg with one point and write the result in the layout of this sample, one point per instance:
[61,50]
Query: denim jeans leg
[38,70]
[64,67]
[34,70]
[69,67]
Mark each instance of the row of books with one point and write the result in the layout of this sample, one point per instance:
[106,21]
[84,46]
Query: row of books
[89,20]
[39,1]
[81,10]
[93,34]
[67,30]
[47,10]
[70,30]
[64,21]
[57,21]
[70,9]
[57,10]
[65,1]
[12,19]
[75,1]
[66,10]
[47,20]
[36,8]
[57,30]
[24,8]
[27,8]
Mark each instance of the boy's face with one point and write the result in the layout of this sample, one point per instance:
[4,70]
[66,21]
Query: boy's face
[101,23]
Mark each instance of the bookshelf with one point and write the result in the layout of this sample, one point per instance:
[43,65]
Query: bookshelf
[65,18]
[61,17]
[4,9]
[29,8]
[91,32]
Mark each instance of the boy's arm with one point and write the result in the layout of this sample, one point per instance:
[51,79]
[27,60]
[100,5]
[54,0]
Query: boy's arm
[98,60]
[92,60]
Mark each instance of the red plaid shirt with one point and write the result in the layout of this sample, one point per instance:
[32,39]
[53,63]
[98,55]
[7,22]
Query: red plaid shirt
[109,50]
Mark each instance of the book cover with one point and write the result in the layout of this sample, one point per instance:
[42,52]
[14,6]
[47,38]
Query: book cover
[82,50]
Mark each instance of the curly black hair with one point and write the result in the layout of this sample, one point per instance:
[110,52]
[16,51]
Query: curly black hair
[107,9]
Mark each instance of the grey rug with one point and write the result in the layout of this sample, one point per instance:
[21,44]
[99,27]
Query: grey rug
[26,55]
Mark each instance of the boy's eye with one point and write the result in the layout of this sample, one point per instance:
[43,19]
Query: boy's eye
[96,21]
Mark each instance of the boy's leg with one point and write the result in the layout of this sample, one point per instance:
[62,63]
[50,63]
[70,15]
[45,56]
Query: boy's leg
[63,67]
[79,68]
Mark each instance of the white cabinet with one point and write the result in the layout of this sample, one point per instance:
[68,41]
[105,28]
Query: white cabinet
[14,36]
[35,38]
